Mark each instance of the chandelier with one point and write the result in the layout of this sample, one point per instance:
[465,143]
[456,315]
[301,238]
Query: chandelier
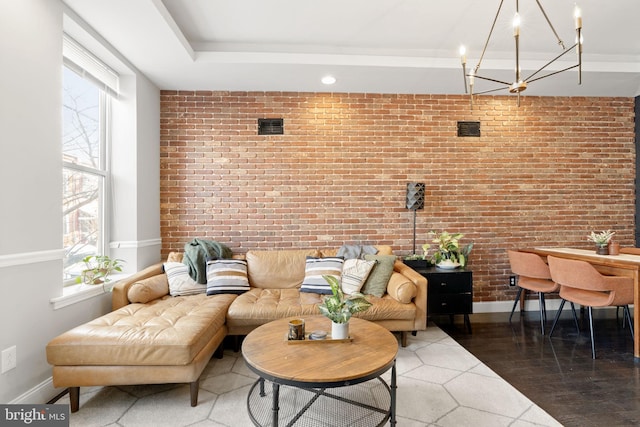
[519,84]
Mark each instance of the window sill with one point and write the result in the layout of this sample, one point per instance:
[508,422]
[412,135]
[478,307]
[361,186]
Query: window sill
[76,293]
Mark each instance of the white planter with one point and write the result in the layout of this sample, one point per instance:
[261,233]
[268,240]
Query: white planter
[339,331]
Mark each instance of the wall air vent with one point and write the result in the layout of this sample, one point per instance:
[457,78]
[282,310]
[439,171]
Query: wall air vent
[270,126]
[469,129]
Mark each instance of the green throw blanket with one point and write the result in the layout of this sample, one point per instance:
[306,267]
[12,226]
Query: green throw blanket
[196,254]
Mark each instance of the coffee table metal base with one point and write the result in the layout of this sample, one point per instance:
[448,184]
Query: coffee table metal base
[365,404]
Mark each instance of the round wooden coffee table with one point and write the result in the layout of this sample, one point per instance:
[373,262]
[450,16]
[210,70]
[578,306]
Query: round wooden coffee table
[308,369]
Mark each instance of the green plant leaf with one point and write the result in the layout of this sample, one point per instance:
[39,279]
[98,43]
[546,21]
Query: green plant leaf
[339,308]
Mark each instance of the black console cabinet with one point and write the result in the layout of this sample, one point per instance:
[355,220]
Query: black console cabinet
[449,292]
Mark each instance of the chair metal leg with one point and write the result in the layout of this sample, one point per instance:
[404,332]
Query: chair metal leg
[626,313]
[575,316]
[515,303]
[558,316]
[543,314]
[593,345]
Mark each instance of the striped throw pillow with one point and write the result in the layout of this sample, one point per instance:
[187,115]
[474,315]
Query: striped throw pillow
[354,274]
[180,283]
[227,276]
[315,268]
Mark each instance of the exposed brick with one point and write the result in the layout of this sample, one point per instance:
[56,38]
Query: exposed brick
[544,174]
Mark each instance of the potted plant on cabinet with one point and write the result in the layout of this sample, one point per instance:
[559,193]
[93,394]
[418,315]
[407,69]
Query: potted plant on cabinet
[98,268]
[339,308]
[418,261]
[449,253]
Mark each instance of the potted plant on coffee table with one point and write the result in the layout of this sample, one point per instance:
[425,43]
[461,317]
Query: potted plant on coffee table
[339,308]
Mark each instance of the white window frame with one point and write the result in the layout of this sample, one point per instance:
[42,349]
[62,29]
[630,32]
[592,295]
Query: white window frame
[79,60]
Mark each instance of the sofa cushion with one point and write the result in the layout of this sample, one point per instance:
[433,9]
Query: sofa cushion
[354,274]
[146,290]
[167,331]
[401,288]
[277,269]
[227,276]
[175,257]
[259,306]
[387,308]
[180,283]
[376,283]
[315,268]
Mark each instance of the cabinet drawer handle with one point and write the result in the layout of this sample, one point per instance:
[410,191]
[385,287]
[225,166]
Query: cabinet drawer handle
[443,283]
[443,304]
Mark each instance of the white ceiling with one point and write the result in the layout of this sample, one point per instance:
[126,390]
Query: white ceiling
[379,46]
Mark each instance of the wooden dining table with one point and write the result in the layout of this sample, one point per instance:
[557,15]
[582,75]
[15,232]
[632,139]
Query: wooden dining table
[613,265]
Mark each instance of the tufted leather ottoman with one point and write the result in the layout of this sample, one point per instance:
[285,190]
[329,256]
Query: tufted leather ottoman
[168,340]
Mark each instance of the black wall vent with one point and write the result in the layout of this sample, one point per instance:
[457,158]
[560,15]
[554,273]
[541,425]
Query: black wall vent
[469,129]
[270,126]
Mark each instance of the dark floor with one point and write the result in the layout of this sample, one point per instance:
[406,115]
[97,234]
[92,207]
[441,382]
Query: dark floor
[558,373]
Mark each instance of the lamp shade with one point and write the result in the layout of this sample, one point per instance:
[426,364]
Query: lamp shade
[415,195]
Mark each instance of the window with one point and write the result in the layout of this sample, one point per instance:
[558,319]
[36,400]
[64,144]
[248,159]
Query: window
[85,130]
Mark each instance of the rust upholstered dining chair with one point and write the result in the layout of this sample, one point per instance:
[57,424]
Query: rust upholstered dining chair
[533,275]
[581,283]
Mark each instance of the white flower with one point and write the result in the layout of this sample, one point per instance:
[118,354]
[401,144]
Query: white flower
[601,238]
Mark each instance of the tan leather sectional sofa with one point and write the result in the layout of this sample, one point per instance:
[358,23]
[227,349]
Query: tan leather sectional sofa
[164,339]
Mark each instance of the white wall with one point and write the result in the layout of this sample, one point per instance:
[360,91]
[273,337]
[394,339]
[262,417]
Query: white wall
[30,194]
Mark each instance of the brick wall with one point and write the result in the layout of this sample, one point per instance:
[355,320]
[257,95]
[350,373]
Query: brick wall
[546,173]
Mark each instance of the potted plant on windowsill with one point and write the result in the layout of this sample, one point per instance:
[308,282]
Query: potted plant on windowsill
[601,241]
[339,308]
[98,268]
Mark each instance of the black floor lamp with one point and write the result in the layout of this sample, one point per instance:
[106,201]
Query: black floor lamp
[415,201]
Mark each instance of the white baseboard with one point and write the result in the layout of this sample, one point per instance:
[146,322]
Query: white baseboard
[505,306]
[530,305]
[40,394]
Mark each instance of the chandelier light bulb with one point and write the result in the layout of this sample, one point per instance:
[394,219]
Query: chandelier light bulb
[516,24]
[577,14]
[463,54]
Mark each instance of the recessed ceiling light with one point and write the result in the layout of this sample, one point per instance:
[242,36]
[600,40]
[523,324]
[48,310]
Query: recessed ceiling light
[328,80]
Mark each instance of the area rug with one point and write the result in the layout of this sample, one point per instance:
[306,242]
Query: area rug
[439,384]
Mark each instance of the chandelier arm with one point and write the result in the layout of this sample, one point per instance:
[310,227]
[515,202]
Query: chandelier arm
[486,43]
[560,42]
[464,75]
[493,80]
[554,73]
[491,90]
[564,52]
